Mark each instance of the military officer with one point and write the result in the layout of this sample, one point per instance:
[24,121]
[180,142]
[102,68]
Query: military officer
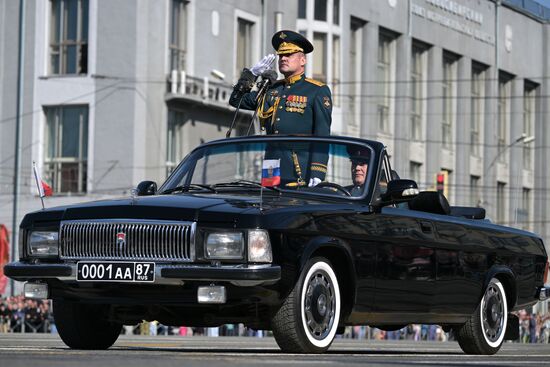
[359,158]
[293,105]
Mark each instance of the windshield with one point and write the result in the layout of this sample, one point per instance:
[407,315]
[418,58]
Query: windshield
[307,166]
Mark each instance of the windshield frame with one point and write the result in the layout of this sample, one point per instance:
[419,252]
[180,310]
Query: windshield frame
[372,174]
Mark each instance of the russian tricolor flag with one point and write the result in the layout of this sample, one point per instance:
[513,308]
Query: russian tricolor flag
[271,172]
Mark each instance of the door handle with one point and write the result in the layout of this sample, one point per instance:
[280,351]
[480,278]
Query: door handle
[426,227]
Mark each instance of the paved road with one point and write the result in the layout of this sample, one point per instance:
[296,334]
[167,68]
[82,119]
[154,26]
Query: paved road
[34,350]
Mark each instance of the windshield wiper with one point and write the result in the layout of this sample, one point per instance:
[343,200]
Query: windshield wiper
[245,183]
[185,188]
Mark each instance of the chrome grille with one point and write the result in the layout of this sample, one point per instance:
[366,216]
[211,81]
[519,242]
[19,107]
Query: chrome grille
[142,240]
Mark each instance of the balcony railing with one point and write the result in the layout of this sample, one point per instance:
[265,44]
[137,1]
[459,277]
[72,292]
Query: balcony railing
[200,89]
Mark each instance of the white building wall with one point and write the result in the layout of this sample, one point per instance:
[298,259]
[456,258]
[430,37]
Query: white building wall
[126,89]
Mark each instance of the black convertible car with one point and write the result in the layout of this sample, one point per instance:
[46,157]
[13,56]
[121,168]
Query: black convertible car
[239,234]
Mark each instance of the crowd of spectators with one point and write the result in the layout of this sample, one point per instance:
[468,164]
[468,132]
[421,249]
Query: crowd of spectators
[20,315]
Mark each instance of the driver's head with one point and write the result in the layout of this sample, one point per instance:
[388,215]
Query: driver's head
[359,157]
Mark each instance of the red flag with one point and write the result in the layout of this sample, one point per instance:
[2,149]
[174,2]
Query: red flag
[47,189]
[43,188]
[4,256]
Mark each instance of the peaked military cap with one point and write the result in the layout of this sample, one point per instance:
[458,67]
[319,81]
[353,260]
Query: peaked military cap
[356,153]
[288,42]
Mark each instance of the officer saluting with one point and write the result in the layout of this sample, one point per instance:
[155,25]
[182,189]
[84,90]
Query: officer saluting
[293,105]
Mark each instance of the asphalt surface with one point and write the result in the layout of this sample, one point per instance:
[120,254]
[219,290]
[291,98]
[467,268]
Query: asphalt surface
[33,350]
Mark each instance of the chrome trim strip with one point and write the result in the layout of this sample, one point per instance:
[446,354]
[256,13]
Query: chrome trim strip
[176,281]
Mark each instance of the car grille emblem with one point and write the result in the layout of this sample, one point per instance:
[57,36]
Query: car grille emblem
[121,239]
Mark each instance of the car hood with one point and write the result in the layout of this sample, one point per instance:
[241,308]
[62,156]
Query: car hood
[205,208]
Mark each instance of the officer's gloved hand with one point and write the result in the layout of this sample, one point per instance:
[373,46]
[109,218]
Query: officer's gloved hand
[314,181]
[263,65]
[245,82]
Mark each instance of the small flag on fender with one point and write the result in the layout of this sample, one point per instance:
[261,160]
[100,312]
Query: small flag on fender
[271,172]
[43,188]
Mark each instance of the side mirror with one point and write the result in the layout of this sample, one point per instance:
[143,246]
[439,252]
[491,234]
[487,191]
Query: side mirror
[400,191]
[146,188]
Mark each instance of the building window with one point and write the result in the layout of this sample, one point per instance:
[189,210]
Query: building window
[501,211]
[528,123]
[417,95]
[320,57]
[320,11]
[336,12]
[175,142]
[302,6]
[383,82]
[178,34]
[355,65]
[448,93]
[66,148]
[69,37]
[415,172]
[244,44]
[475,194]
[477,110]
[524,214]
[502,115]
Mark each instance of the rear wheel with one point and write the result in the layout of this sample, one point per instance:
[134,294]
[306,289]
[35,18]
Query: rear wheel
[308,319]
[83,326]
[484,332]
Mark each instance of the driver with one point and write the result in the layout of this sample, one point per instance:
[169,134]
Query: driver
[359,158]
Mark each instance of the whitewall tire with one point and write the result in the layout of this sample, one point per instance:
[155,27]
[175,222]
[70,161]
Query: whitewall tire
[308,319]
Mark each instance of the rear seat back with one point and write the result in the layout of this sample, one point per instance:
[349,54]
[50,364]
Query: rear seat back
[469,212]
[430,202]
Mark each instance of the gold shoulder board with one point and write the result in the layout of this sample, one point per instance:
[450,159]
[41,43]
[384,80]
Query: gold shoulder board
[316,82]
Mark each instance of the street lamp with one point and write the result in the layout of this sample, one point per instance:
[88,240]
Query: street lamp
[522,139]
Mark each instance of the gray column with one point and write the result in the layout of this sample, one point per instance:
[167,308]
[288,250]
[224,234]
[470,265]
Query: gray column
[516,150]
[370,61]
[434,110]
[402,130]
[463,121]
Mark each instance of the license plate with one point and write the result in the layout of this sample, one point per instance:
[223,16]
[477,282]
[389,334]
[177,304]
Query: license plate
[89,271]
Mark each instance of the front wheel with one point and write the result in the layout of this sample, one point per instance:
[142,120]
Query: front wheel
[484,332]
[308,318]
[83,326]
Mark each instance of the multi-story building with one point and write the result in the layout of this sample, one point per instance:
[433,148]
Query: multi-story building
[114,92]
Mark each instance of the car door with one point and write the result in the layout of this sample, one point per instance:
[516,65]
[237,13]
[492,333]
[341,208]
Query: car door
[405,259]
[405,262]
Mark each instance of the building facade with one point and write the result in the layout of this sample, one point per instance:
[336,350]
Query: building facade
[115,92]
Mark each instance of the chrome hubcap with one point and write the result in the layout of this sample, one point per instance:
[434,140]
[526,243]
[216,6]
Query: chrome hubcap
[319,305]
[493,313]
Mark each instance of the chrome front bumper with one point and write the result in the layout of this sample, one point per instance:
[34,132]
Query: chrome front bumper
[239,275]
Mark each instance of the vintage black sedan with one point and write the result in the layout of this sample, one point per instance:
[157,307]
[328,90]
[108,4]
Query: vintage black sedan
[239,234]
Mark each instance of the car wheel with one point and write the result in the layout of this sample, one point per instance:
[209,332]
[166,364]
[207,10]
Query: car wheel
[82,326]
[308,318]
[484,332]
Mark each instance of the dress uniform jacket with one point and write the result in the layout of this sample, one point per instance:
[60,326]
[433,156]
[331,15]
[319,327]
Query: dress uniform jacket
[297,105]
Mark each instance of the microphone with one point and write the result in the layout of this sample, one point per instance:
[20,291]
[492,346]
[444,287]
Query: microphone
[268,77]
